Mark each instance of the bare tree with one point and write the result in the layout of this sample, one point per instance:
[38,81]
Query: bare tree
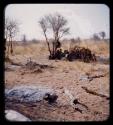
[102,34]
[43,24]
[6,28]
[57,25]
[77,40]
[11,30]
[96,37]
[24,40]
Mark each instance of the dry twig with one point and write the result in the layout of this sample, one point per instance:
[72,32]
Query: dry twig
[94,93]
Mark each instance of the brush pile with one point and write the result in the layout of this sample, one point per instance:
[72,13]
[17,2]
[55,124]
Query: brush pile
[81,53]
[35,67]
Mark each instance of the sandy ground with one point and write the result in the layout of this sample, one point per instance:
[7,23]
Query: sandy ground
[65,75]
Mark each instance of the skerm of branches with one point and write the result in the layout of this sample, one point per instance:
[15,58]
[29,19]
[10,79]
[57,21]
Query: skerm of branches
[11,30]
[56,24]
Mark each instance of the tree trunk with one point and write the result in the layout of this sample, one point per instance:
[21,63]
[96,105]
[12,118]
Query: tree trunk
[53,48]
[47,44]
[8,49]
[11,49]
[56,39]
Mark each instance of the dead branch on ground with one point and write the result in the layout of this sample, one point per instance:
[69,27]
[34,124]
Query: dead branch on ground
[94,93]
[96,76]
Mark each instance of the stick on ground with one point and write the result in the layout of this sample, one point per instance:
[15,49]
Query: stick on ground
[94,93]
[96,76]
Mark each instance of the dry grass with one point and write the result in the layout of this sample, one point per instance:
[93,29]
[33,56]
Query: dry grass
[98,47]
[34,49]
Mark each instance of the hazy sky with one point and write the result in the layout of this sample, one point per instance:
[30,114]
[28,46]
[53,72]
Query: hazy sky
[83,19]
